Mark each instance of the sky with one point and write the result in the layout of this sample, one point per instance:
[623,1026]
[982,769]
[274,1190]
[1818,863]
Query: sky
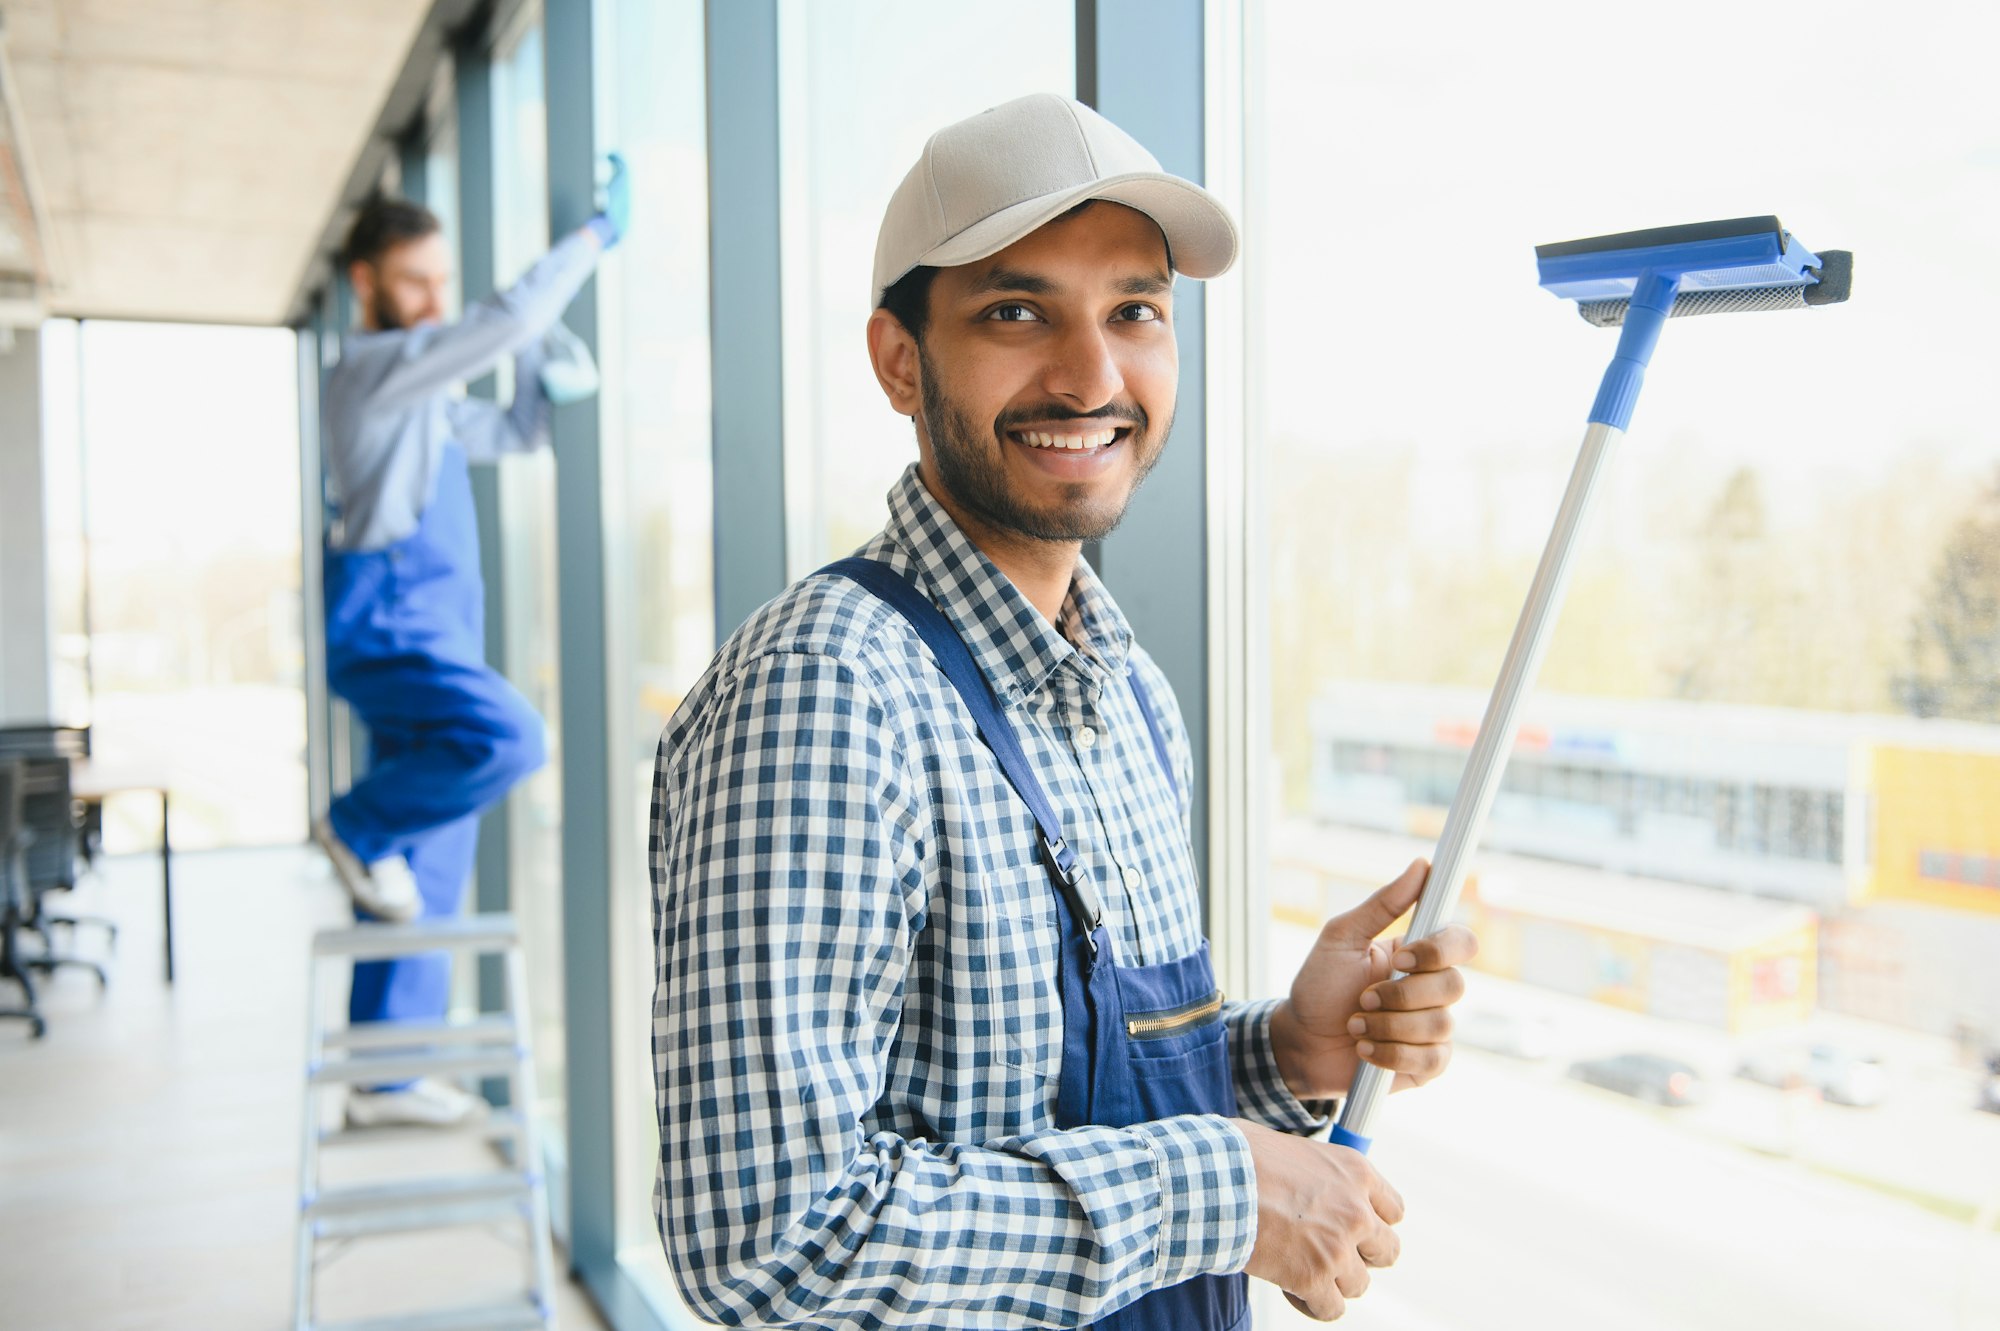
[1413,156]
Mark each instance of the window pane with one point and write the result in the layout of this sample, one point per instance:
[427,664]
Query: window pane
[861,88]
[1772,631]
[653,340]
[196,650]
[527,561]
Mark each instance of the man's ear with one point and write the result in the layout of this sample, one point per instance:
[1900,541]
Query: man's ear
[361,279]
[893,352]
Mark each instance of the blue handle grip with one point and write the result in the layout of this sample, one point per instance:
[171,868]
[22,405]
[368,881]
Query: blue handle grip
[1352,1140]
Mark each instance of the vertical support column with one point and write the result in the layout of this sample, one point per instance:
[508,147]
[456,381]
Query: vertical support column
[746,315]
[312,539]
[27,657]
[1141,63]
[590,819]
[473,81]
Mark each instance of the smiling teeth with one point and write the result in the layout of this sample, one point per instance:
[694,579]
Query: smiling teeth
[1075,443]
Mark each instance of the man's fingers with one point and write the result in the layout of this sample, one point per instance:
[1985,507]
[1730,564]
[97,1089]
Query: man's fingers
[1381,1248]
[1388,1203]
[1431,1026]
[1419,1062]
[1453,945]
[1382,909]
[1326,1308]
[1352,1283]
[1414,993]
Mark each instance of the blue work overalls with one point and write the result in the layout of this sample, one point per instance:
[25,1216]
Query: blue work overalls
[406,648]
[1116,1070]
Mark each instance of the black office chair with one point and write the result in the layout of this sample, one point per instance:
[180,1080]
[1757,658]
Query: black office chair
[48,811]
[53,866]
[14,894]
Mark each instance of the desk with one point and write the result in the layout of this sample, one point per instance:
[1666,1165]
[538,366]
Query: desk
[92,780]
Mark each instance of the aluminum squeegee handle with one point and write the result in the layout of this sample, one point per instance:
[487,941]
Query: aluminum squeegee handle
[1469,807]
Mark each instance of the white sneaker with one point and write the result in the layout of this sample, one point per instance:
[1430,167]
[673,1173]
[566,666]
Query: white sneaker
[425,1102]
[385,889]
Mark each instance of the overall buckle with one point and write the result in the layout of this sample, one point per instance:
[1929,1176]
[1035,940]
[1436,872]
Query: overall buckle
[1083,903]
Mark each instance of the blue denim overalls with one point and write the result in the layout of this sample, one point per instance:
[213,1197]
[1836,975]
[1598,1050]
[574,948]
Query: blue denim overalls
[1139,1042]
[406,648]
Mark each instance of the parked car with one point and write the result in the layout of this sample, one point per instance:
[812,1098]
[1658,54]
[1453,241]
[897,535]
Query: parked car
[1840,1075]
[1654,1078]
[1505,1033]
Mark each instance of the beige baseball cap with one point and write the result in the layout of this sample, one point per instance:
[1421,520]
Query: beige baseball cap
[985,182]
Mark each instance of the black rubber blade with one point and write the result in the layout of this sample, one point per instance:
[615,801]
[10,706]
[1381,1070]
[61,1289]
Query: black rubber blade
[1663,235]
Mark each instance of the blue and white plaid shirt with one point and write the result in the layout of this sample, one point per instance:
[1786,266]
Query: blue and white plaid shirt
[857,1030]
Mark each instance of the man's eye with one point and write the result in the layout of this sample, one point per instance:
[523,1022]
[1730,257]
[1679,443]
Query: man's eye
[1138,313]
[1011,312]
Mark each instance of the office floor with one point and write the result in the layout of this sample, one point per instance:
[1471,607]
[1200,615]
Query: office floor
[149,1144]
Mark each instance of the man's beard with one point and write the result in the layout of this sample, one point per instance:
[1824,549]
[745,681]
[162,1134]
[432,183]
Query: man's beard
[976,476]
[383,311]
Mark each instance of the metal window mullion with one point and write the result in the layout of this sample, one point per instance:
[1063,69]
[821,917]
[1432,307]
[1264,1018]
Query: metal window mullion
[1142,63]
[746,309]
[312,535]
[591,819]
[472,78]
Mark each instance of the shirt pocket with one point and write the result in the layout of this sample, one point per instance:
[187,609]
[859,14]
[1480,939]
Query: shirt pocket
[1016,987]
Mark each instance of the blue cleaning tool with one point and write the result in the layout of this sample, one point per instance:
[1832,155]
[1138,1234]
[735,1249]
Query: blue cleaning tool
[1634,281]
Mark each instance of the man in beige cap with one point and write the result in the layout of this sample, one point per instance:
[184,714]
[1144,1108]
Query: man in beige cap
[936,1036]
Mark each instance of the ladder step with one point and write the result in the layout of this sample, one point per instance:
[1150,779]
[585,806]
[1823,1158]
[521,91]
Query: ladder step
[516,1316]
[496,1029]
[499,1125]
[382,1069]
[463,933]
[409,1204]
[419,1219]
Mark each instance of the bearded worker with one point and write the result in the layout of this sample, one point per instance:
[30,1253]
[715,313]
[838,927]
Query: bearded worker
[936,1035]
[405,603]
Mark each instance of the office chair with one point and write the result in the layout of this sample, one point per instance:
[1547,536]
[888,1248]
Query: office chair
[48,811]
[14,840]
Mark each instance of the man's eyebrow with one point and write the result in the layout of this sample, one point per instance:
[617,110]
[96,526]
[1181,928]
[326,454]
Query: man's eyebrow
[1145,284]
[1033,284]
[1013,279]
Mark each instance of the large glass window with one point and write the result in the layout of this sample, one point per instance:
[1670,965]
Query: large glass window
[655,422]
[1770,692]
[189,475]
[67,547]
[527,562]
[862,86]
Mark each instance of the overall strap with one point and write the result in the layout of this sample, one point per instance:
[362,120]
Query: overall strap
[977,693]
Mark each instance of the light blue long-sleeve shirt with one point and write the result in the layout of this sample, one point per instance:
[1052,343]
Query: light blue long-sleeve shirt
[390,411]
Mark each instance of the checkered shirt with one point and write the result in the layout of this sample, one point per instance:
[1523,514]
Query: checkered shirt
[858,1025]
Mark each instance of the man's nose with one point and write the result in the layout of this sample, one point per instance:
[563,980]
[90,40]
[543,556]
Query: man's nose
[1084,370]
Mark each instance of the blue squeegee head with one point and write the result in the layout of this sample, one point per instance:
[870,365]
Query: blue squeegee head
[1738,265]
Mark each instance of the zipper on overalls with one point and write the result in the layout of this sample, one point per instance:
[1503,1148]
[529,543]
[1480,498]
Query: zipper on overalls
[1156,1025]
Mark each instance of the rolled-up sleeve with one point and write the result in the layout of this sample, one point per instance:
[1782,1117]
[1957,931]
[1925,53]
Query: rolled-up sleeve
[789,865]
[1261,1093]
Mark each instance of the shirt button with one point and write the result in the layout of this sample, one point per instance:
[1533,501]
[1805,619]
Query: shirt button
[1134,880]
[1086,738]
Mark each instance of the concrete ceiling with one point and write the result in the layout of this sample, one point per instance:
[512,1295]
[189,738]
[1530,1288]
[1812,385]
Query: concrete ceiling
[189,152]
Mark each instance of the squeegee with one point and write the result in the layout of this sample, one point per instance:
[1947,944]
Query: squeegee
[1634,281]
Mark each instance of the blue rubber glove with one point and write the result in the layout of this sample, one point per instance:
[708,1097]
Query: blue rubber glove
[615,220]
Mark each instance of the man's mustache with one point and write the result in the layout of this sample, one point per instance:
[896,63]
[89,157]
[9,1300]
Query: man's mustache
[1120,411]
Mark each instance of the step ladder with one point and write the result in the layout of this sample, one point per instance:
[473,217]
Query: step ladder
[494,1044]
